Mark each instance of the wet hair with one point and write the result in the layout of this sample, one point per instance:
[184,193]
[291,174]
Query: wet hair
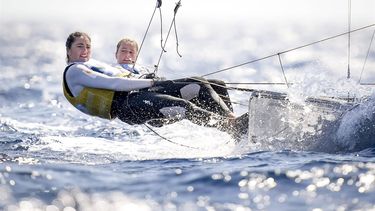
[71,38]
[129,41]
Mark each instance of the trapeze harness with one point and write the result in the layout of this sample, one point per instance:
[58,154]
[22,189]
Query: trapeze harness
[96,101]
[92,101]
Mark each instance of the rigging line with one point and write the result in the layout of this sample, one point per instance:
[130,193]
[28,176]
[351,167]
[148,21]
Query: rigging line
[282,69]
[368,52]
[349,27]
[161,31]
[199,81]
[158,5]
[286,51]
[175,32]
[237,88]
[166,39]
[175,27]
[222,86]
[241,89]
[258,83]
[152,130]
[170,141]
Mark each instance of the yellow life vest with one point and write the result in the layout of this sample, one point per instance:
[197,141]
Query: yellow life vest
[92,101]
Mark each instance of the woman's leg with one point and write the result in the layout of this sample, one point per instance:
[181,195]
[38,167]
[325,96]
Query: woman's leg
[196,90]
[144,106]
[160,109]
[221,89]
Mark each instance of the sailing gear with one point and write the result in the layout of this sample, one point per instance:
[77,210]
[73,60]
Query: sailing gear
[96,89]
[204,96]
[221,89]
[101,76]
[89,87]
[96,102]
[168,100]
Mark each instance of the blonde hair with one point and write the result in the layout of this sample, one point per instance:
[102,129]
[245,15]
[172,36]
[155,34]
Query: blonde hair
[128,41]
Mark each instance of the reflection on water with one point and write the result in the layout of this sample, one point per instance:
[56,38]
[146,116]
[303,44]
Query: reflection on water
[55,158]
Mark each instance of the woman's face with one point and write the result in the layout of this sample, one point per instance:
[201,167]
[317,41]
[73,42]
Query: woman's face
[80,51]
[126,53]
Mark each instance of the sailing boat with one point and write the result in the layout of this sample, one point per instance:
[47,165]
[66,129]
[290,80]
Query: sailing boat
[275,116]
[343,123]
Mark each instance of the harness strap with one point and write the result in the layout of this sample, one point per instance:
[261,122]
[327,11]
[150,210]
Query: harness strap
[64,81]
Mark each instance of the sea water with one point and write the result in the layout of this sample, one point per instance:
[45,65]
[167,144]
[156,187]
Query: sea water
[55,158]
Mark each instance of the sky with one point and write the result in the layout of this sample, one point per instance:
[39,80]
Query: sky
[123,10]
[213,34]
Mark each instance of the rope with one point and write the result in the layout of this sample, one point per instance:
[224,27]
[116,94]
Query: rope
[152,130]
[289,50]
[166,39]
[175,32]
[178,5]
[161,31]
[259,83]
[368,52]
[349,27]
[282,69]
[158,5]
[170,141]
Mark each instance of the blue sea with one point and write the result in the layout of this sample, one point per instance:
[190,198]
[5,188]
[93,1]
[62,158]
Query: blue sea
[55,158]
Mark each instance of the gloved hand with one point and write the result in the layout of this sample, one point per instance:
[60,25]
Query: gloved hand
[150,76]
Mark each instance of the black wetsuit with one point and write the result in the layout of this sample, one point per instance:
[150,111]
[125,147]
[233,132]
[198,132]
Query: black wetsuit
[145,105]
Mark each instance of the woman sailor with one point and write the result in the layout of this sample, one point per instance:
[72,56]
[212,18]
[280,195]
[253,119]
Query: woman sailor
[126,56]
[100,90]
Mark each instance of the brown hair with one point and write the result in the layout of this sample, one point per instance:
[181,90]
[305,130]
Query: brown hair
[71,38]
[127,40]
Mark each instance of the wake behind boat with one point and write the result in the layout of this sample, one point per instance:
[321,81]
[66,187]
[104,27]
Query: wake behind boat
[317,123]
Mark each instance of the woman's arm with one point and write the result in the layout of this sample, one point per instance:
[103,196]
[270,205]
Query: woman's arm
[79,76]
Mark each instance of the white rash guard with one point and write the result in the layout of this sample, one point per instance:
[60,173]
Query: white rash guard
[137,71]
[95,74]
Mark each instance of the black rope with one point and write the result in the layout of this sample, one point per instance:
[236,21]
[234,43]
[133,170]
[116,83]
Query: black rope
[289,50]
